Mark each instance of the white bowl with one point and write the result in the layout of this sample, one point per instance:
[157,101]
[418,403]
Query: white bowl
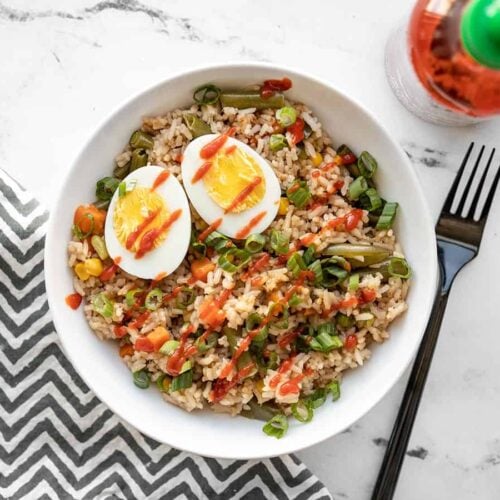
[207,433]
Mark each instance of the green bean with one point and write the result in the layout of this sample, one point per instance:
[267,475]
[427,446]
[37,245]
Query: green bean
[140,139]
[357,187]
[383,269]
[367,165]
[358,255]
[196,125]
[121,172]
[106,187]
[256,411]
[139,159]
[243,99]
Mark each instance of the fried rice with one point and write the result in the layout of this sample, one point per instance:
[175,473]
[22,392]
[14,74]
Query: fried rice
[368,321]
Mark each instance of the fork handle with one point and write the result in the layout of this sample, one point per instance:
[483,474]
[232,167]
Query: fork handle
[398,442]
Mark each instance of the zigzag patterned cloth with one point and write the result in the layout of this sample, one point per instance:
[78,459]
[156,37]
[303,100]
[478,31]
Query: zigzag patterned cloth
[57,440]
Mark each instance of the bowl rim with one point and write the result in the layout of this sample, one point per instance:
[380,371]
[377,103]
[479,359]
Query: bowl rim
[432,277]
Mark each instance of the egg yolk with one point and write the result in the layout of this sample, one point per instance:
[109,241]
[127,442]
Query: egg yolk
[137,212]
[230,175]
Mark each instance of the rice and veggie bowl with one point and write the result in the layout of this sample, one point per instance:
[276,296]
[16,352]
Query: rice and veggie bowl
[265,321]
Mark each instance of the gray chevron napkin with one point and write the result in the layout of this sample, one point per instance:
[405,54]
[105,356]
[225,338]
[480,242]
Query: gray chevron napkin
[57,440]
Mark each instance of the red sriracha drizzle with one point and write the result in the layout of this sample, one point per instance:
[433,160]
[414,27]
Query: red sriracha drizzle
[180,355]
[269,87]
[200,173]
[132,237]
[147,241]
[245,193]
[162,177]
[210,229]
[222,386]
[245,230]
[210,149]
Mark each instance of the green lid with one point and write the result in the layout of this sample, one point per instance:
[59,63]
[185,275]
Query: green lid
[480,30]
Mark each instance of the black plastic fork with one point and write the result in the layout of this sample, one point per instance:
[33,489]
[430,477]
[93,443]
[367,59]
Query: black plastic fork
[459,235]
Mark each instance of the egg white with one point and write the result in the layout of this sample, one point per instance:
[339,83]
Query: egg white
[167,257]
[209,210]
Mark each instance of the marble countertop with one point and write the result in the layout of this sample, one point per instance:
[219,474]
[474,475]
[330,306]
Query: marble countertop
[67,64]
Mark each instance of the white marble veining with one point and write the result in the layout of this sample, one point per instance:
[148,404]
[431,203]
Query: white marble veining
[67,63]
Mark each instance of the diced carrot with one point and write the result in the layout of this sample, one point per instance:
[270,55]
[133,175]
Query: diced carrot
[89,218]
[201,267]
[126,350]
[158,337]
[210,314]
[144,344]
[367,295]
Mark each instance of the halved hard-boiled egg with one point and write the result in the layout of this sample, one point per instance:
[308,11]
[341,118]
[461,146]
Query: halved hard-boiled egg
[148,224]
[230,185]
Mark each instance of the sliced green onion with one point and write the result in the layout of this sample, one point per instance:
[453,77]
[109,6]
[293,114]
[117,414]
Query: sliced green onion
[280,242]
[233,260]
[300,196]
[169,347]
[130,296]
[294,300]
[103,305]
[334,389]
[185,298]
[295,264]
[367,165]
[199,248]
[99,246]
[277,142]
[187,365]
[324,342]
[138,159]
[399,268]
[282,323]
[196,126]
[315,267]
[334,274]
[302,411]
[255,243]
[353,282]
[344,321]
[308,255]
[245,360]
[326,328]
[160,382]
[216,239]
[386,219]
[370,200]
[277,426]
[183,381]
[153,299]
[252,323]
[141,379]
[317,398]
[357,187]
[286,116]
[273,360]
[206,94]
[337,260]
[232,338]
[208,343]
[140,139]
[106,187]
[122,189]
[79,233]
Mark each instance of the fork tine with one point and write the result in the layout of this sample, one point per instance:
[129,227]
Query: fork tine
[491,195]
[463,200]
[479,188]
[453,190]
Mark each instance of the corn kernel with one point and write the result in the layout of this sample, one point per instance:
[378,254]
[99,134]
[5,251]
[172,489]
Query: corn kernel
[259,385]
[317,159]
[283,208]
[93,267]
[165,384]
[81,271]
[337,160]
